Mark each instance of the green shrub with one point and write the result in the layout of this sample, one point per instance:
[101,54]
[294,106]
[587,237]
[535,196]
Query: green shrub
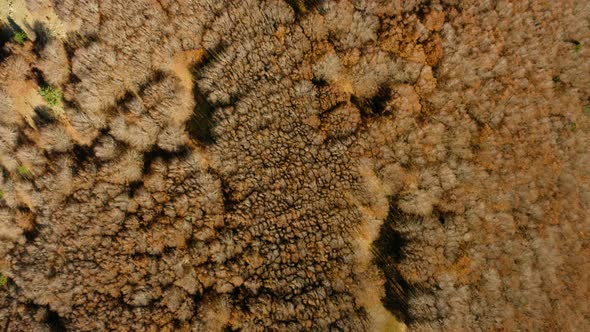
[20,37]
[51,95]
[23,171]
[3,280]
[1,194]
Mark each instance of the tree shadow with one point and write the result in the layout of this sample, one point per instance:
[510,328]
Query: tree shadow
[389,253]
[200,125]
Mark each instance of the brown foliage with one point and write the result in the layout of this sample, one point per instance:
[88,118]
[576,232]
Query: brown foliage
[432,127]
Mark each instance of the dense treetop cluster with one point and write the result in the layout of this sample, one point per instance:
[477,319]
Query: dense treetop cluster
[296,165]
